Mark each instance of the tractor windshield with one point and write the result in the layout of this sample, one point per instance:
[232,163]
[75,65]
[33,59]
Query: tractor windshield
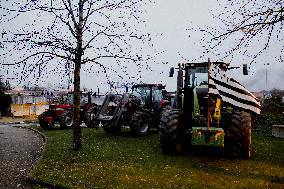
[196,81]
[157,94]
[142,92]
[197,77]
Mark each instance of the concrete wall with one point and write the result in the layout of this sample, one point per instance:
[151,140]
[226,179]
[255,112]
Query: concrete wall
[278,131]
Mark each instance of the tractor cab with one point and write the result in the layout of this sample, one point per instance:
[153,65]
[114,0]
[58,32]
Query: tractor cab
[151,95]
[193,98]
[84,99]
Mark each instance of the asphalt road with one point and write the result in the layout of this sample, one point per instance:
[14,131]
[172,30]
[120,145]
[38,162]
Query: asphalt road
[19,149]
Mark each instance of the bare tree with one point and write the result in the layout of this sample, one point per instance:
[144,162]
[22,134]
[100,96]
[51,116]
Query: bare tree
[247,28]
[76,32]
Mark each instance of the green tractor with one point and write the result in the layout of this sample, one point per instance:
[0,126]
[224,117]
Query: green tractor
[210,109]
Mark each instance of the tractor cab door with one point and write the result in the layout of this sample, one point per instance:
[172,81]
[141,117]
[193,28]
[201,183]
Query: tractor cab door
[195,103]
[157,96]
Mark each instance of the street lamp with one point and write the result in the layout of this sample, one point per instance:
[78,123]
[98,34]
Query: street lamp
[266,65]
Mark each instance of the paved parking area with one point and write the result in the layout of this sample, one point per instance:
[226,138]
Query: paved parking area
[19,149]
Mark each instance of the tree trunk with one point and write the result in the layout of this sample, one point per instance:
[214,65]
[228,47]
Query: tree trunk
[77,143]
[77,128]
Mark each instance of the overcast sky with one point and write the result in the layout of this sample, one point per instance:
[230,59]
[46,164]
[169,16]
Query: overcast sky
[173,17]
[168,22]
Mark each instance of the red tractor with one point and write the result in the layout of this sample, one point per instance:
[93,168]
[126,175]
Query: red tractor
[63,113]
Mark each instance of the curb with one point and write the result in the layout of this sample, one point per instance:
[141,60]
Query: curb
[29,179]
[10,123]
[18,122]
[44,184]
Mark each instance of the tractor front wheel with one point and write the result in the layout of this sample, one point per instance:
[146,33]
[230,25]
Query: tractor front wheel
[43,123]
[66,120]
[140,123]
[238,142]
[168,131]
[89,116]
[108,128]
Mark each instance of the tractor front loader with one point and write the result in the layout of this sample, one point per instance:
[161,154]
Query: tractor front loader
[211,109]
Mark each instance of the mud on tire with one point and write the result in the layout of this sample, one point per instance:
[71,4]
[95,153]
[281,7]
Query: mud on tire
[168,131]
[140,123]
[238,135]
[66,120]
[164,109]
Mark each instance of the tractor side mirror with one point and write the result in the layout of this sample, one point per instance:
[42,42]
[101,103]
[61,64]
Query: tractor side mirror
[172,70]
[245,69]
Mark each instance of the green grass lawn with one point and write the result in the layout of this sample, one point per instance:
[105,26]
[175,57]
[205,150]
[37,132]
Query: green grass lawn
[108,161]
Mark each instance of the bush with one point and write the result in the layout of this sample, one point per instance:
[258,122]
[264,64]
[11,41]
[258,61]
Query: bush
[263,123]
[5,102]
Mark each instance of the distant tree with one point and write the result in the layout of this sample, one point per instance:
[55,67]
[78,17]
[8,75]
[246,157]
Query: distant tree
[72,33]
[5,103]
[274,101]
[2,85]
[5,100]
[8,85]
[247,28]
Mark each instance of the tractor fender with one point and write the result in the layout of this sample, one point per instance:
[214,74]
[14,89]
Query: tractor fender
[164,102]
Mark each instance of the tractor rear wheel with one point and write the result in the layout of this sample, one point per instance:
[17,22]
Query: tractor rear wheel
[164,109]
[238,136]
[43,124]
[89,116]
[140,123]
[168,131]
[66,120]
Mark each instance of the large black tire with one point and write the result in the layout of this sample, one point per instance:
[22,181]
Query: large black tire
[140,123]
[43,124]
[66,120]
[168,131]
[108,128]
[164,109]
[89,116]
[238,143]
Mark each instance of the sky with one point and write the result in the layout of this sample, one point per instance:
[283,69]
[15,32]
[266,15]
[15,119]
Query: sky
[174,17]
[168,21]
